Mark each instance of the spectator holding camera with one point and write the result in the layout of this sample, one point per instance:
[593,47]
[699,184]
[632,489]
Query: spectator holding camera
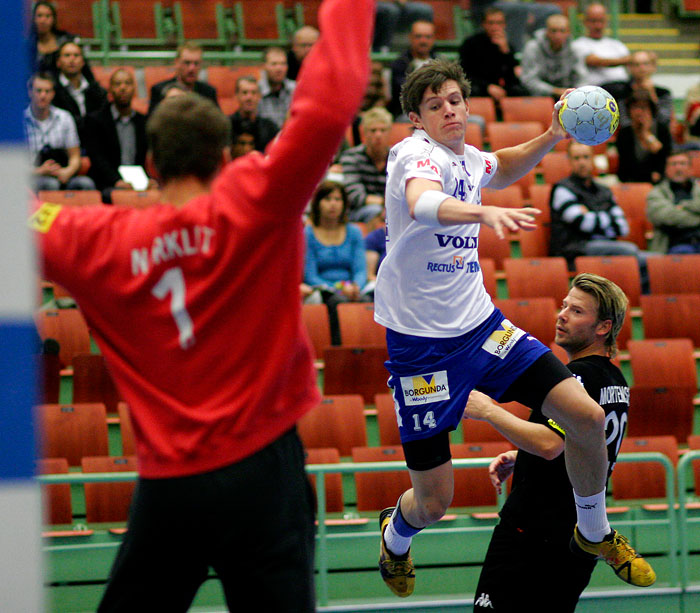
[53,139]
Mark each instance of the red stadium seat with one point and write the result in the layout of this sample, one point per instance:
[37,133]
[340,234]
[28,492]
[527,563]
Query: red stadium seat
[632,480]
[537,316]
[72,431]
[528,108]
[339,421]
[378,490]
[386,420]
[333,481]
[674,274]
[58,508]
[536,277]
[473,487]
[620,269]
[108,502]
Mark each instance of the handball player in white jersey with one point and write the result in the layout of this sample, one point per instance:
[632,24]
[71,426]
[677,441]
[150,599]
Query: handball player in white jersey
[444,335]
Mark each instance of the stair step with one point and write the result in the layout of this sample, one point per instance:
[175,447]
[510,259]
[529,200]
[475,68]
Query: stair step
[622,32]
[681,61]
[656,46]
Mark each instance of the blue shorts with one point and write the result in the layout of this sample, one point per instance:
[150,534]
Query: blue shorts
[432,378]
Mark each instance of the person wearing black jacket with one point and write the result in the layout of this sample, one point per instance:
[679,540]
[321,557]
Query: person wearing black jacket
[489,61]
[188,63]
[75,93]
[529,558]
[115,135]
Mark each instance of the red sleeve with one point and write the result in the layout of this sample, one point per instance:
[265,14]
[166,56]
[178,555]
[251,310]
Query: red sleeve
[327,96]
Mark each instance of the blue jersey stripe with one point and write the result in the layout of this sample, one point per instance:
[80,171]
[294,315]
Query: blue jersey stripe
[15,64]
[17,385]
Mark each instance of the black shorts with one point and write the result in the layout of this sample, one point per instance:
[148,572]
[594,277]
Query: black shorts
[530,572]
[252,522]
[530,389]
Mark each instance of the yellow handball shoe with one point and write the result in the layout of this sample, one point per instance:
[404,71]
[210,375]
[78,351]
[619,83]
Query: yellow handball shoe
[617,552]
[398,572]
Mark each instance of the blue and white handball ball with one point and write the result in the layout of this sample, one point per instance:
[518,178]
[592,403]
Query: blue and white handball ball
[589,114]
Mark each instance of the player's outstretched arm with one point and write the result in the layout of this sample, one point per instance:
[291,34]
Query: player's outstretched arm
[330,88]
[424,193]
[534,438]
[516,162]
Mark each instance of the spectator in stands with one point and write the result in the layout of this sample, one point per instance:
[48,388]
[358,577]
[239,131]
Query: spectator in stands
[364,166]
[489,61]
[421,43]
[549,63]
[53,139]
[45,38]
[376,95]
[641,68]
[302,41]
[74,93]
[692,117]
[335,253]
[275,88]
[375,247]
[586,220]
[394,16]
[522,18]
[116,136]
[188,64]
[604,58]
[246,118]
[673,206]
[644,144]
[241,143]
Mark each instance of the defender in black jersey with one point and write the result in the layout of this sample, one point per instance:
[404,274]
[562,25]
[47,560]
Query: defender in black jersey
[529,562]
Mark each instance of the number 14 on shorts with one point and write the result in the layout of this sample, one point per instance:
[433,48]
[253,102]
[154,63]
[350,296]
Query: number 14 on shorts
[428,421]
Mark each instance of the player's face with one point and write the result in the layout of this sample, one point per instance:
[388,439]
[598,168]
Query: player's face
[122,88]
[678,168]
[581,159]
[70,61]
[577,322]
[188,65]
[443,115]
[331,206]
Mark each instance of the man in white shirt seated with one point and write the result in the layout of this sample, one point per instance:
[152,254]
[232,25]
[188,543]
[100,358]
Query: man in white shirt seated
[604,58]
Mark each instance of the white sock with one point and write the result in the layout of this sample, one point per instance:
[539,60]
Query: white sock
[397,544]
[592,517]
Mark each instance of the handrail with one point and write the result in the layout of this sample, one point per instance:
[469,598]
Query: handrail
[686,458]
[320,470]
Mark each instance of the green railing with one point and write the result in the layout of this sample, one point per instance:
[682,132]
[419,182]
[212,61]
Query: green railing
[320,470]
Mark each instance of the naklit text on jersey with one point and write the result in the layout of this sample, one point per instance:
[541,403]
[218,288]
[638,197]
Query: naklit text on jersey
[180,243]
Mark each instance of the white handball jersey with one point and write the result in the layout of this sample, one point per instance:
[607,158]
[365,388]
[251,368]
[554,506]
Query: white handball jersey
[430,282]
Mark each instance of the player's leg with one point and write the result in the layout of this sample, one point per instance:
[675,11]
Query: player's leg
[430,469]
[561,398]
[506,575]
[264,550]
[159,566]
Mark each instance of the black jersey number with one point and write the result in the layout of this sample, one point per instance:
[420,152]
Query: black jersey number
[615,430]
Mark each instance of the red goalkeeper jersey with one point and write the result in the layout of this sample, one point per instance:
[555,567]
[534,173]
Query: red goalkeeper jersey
[197,309]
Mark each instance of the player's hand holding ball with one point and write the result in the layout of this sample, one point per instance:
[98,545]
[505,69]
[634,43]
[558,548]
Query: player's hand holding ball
[589,114]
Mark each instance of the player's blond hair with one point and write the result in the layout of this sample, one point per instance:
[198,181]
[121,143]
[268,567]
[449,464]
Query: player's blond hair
[612,304]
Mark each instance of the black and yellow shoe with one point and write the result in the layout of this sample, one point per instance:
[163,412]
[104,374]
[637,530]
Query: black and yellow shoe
[617,552]
[398,572]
